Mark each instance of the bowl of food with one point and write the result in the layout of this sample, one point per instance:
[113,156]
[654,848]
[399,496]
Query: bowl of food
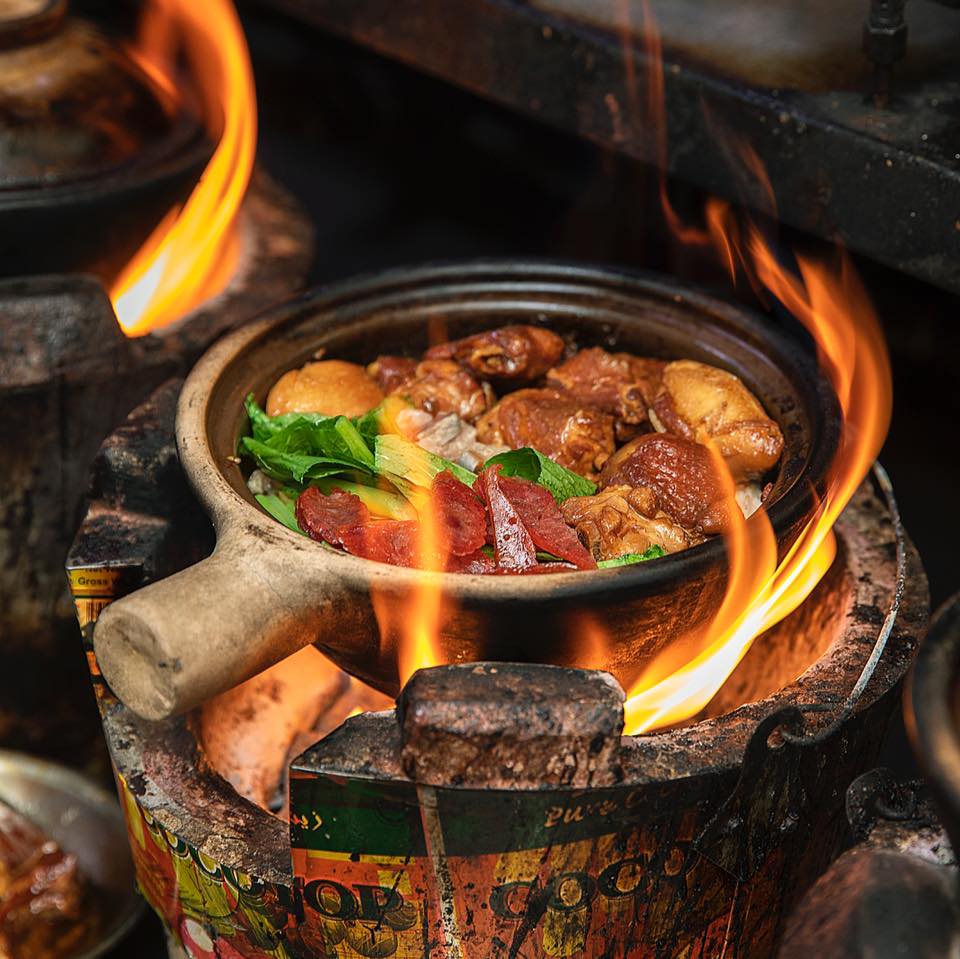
[66,878]
[482,421]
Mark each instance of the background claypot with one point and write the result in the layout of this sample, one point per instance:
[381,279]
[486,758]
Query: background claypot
[89,145]
[267,591]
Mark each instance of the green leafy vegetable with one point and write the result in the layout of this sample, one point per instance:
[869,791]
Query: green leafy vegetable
[298,468]
[300,447]
[528,464]
[280,508]
[398,458]
[654,552]
[262,427]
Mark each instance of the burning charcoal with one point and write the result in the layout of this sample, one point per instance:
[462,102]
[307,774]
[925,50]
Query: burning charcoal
[703,403]
[331,387]
[578,437]
[621,384]
[519,354]
[441,386]
[511,726]
[247,731]
[679,471]
[622,520]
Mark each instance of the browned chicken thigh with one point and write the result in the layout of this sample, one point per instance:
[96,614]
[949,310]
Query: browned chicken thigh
[391,372]
[618,383]
[577,436]
[680,472]
[436,386]
[519,354]
[621,520]
[706,404]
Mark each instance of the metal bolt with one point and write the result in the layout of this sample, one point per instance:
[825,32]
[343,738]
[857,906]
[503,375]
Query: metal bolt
[885,44]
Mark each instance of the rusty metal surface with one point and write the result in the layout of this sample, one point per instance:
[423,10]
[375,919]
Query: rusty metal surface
[885,182]
[511,726]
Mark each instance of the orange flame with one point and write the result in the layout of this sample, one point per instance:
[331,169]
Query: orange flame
[411,624]
[832,304]
[192,253]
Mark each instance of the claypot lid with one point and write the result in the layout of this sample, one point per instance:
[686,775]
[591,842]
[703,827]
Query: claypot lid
[73,105]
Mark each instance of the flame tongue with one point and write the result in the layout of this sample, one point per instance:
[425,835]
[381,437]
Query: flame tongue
[191,255]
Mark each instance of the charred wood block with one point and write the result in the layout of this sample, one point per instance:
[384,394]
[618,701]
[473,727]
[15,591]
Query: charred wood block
[142,513]
[137,467]
[511,726]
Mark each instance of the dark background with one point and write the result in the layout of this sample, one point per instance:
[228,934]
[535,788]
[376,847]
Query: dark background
[394,168]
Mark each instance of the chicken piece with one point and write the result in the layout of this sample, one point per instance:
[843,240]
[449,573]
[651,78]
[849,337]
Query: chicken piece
[45,903]
[453,439]
[704,403]
[330,387]
[391,372]
[441,386]
[618,383]
[519,354]
[621,520]
[577,436]
[680,472]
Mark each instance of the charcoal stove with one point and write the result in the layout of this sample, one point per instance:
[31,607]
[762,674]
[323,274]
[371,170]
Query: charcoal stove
[543,831]
[68,369]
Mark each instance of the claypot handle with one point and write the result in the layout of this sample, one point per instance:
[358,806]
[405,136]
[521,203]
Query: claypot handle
[175,643]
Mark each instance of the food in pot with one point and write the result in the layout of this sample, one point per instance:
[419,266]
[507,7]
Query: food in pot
[704,403]
[434,386]
[574,434]
[625,521]
[328,386]
[515,354]
[621,384]
[589,459]
[681,474]
[47,908]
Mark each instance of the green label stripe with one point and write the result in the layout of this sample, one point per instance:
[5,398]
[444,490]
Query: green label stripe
[370,817]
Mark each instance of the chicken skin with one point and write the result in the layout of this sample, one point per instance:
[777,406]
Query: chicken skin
[330,387]
[617,383]
[705,404]
[514,354]
[621,520]
[680,472]
[577,436]
[435,386]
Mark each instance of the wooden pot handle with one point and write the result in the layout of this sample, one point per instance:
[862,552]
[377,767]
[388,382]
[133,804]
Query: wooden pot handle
[175,643]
